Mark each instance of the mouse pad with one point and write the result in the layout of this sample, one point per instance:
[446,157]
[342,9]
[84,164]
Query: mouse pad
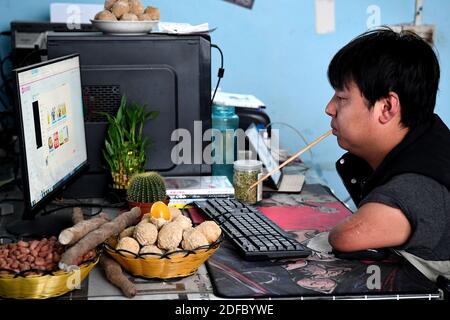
[305,215]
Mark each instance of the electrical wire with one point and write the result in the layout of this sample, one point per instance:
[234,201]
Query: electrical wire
[6,81]
[3,60]
[220,73]
[35,51]
[5,105]
[292,128]
[83,205]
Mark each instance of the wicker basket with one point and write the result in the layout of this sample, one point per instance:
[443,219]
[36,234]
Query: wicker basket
[48,285]
[175,264]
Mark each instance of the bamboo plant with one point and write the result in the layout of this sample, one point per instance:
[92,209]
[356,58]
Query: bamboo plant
[125,145]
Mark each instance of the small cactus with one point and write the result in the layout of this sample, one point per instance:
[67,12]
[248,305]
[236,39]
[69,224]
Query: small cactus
[146,187]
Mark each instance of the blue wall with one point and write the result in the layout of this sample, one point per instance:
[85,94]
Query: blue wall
[274,53]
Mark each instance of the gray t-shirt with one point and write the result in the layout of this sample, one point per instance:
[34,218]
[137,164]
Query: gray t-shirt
[426,204]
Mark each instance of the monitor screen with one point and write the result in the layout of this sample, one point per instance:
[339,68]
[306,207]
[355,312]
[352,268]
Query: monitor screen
[50,115]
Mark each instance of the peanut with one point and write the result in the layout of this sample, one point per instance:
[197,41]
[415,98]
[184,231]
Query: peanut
[24,250]
[49,257]
[49,266]
[34,244]
[35,254]
[24,266]
[23,244]
[39,262]
[56,257]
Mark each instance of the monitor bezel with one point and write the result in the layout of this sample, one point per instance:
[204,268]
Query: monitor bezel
[30,210]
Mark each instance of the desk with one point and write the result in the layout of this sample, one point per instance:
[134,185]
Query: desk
[320,276]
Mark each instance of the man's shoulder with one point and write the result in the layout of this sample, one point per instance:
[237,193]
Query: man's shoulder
[413,180]
[409,189]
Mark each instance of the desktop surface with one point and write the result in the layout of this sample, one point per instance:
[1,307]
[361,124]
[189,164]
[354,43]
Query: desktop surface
[320,276]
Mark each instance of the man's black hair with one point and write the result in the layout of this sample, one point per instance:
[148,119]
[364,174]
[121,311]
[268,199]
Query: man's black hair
[383,61]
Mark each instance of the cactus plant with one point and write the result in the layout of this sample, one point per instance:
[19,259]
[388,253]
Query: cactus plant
[146,187]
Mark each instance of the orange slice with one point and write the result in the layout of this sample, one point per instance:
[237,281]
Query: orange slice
[160,210]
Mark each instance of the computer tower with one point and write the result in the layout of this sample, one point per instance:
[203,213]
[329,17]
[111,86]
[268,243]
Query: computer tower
[167,73]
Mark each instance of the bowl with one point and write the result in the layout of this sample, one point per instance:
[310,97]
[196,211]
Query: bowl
[125,27]
[176,264]
[46,285]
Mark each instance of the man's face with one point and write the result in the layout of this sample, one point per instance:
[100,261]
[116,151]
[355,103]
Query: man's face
[351,120]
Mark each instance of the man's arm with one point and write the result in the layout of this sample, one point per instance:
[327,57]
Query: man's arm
[373,226]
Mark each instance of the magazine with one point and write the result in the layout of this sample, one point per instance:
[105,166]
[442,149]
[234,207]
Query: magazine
[198,187]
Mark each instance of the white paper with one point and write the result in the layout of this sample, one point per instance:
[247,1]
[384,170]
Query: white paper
[182,28]
[325,16]
[237,100]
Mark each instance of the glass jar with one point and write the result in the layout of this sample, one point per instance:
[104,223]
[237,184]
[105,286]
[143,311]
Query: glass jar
[246,173]
[225,120]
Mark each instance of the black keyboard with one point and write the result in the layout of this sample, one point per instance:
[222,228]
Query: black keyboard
[255,235]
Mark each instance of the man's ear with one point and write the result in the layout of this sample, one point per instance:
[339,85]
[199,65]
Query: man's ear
[389,107]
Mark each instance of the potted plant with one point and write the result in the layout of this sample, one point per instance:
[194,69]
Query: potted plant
[124,143]
[145,189]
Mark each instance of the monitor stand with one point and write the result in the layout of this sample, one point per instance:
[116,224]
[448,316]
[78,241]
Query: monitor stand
[41,226]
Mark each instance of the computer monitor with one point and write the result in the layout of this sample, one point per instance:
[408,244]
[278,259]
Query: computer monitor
[52,136]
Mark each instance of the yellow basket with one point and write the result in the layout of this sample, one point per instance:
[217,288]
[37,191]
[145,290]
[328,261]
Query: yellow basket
[18,286]
[175,264]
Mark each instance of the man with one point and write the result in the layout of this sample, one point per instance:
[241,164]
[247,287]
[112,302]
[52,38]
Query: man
[397,168]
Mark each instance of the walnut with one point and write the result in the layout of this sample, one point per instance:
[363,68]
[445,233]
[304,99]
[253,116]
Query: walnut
[136,7]
[183,221]
[170,236]
[192,239]
[105,15]
[109,4]
[120,8]
[150,249]
[174,211]
[158,222]
[128,244]
[128,232]
[145,233]
[152,12]
[143,221]
[210,230]
[146,217]
[147,17]
[129,17]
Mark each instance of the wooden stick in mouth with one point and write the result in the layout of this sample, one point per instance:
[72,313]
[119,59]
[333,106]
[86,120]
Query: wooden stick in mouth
[309,146]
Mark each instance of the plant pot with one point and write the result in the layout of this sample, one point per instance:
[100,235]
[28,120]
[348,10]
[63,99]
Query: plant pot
[145,206]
